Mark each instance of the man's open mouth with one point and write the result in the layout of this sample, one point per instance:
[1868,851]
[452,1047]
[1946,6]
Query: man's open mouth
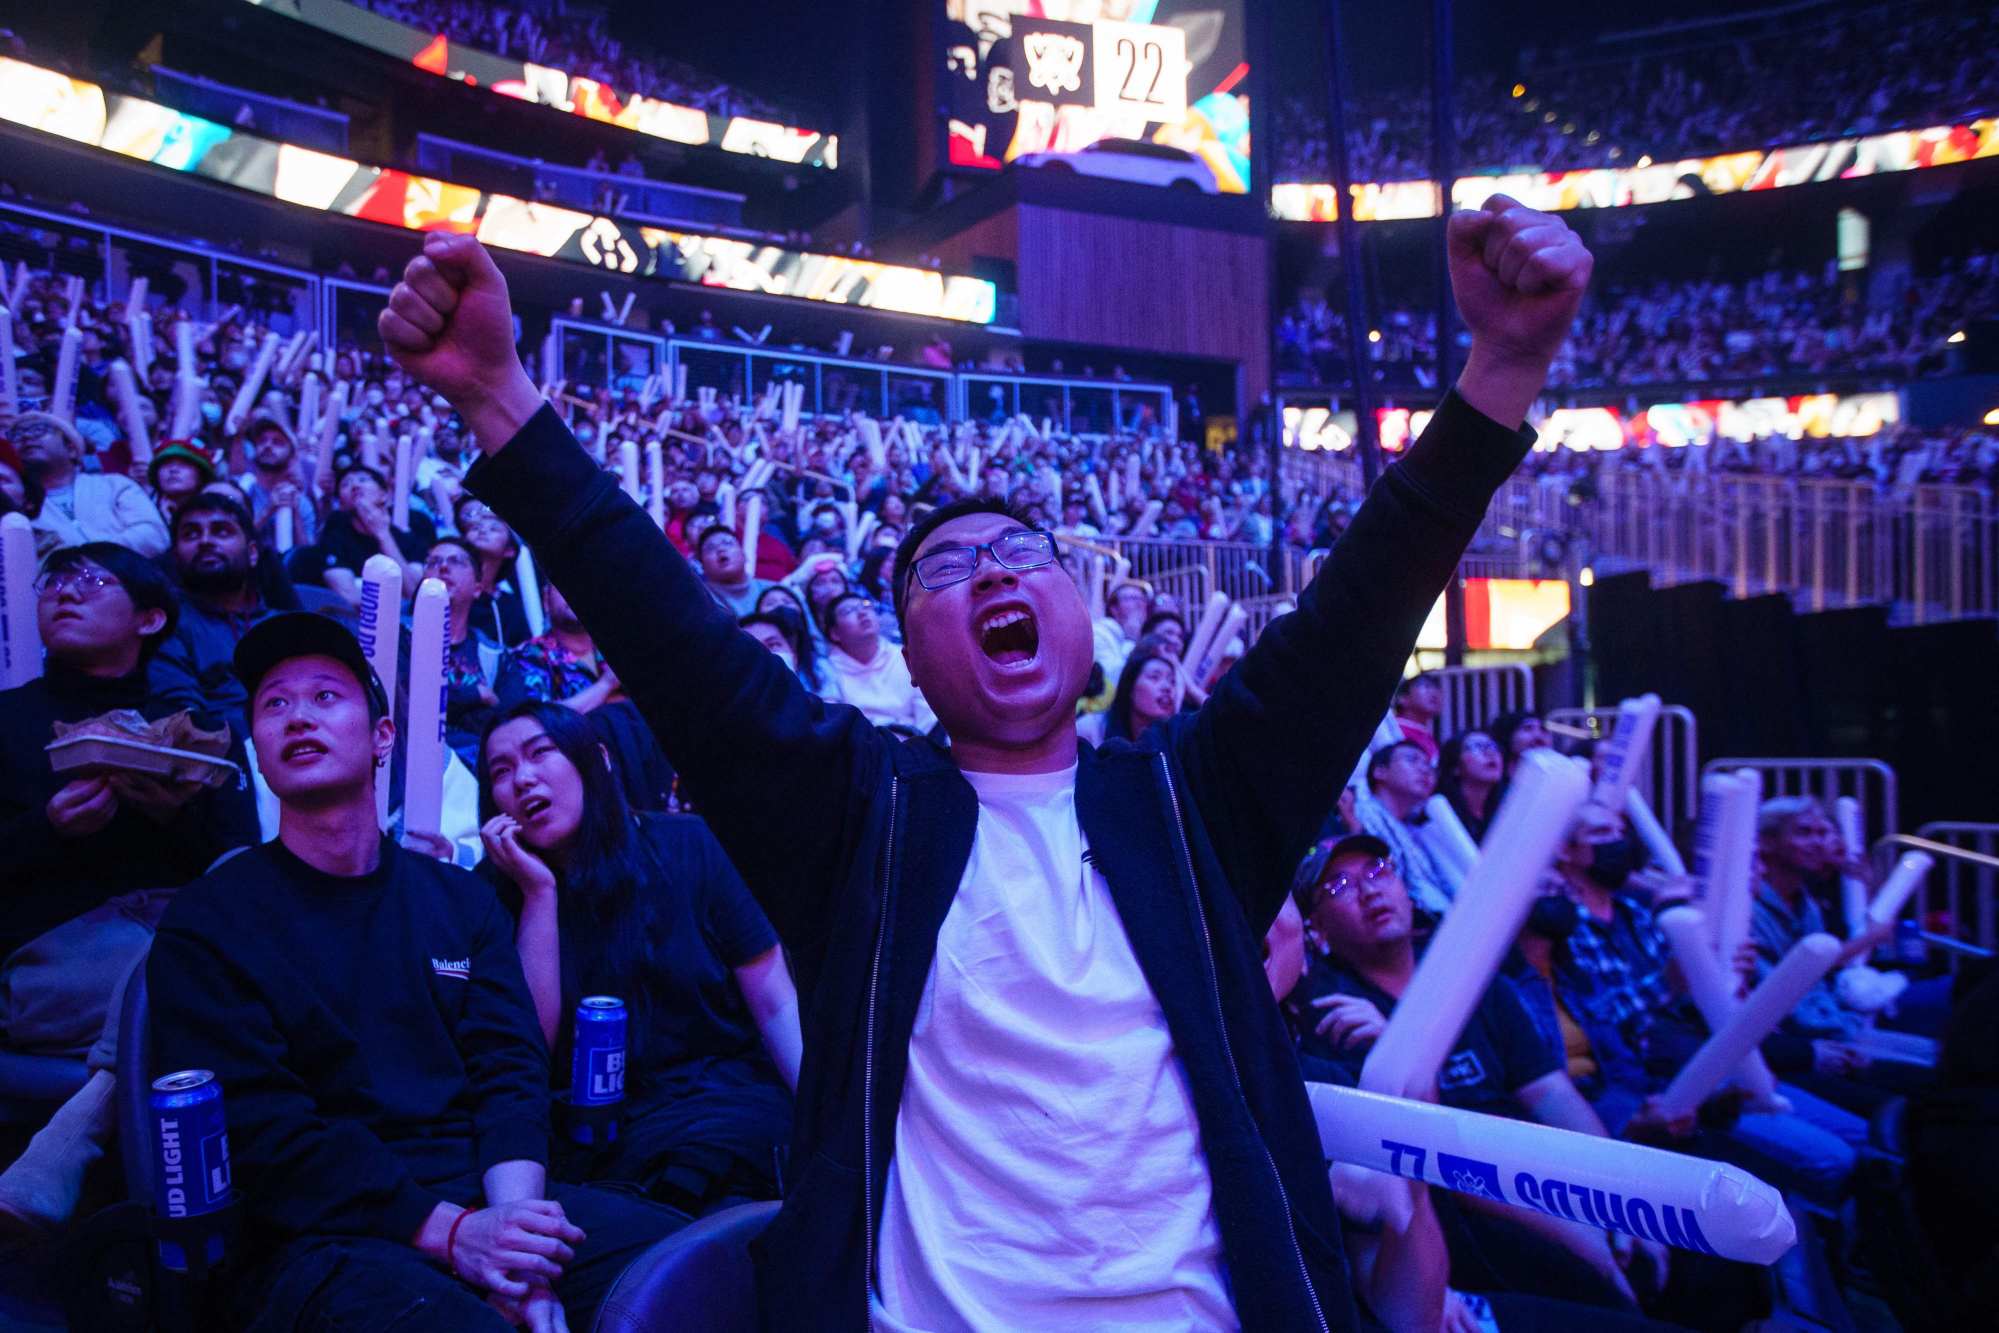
[1009,636]
[302,750]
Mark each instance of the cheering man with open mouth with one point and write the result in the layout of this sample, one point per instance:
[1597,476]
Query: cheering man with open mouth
[1045,1085]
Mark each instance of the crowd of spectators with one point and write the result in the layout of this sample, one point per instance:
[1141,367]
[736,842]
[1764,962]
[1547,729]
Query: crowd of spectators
[1892,459]
[157,576]
[1900,66]
[577,39]
[1774,327]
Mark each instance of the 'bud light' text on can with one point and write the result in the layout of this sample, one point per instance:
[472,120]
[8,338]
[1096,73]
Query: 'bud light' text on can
[597,1056]
[190,1157]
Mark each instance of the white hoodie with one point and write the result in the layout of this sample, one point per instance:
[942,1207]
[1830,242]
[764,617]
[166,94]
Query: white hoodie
[880,688]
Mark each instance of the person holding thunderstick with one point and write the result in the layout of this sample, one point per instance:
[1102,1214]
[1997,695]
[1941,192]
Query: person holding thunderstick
[1045,1085]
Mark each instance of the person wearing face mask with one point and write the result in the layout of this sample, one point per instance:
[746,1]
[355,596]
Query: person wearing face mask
[1361,946]
[782,630]
[646,908]
[1606,967]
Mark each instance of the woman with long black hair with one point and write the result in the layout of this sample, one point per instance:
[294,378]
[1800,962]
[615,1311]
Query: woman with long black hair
[646,908]
[1149,690]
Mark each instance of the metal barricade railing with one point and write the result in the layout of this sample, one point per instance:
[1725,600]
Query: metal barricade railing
[1240,569]
[1929,552]
[1670,781]
[1870,781]
[1474,695]
[1963,889]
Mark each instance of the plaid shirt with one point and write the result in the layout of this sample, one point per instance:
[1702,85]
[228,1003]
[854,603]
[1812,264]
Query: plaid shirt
[1616,969]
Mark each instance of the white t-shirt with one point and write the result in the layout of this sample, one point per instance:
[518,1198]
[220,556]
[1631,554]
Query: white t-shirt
[1048,1171]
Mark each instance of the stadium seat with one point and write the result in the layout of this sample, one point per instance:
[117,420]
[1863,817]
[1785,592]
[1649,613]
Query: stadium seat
[701,1275]
[135,1081]
[1892,1240]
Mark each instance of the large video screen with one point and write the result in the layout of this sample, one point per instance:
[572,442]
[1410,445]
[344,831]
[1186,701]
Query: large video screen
[1075,82]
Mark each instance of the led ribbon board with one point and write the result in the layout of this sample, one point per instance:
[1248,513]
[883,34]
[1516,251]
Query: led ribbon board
[134,127]
[548,86]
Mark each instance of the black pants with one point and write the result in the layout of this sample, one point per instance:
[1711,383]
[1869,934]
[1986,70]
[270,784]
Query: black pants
[353,1284]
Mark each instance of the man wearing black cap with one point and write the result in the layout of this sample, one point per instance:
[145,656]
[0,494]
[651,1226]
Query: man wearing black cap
[383,1072]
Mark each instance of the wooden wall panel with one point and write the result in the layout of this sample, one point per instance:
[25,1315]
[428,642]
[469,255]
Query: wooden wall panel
[1123,282]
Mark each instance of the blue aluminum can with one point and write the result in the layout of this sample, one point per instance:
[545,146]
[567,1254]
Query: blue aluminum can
[1909,945]
[597,1055]
[190,1157]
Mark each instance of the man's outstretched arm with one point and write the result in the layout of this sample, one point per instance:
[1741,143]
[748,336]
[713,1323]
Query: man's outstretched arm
[1266,756]
[758,752]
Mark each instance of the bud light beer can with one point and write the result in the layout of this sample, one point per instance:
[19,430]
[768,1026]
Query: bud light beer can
[190,1158]
[597,1056]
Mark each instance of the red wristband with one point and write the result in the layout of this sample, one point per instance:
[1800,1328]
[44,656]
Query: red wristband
[451,1240]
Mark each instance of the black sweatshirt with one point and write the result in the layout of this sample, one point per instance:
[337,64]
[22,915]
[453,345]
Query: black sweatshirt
[373,1035]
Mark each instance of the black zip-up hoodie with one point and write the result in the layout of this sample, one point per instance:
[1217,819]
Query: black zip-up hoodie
[855,844]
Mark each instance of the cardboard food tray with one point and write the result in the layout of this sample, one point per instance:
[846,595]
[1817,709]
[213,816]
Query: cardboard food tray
[99,753]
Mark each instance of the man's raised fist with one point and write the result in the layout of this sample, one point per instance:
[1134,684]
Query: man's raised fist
[1518,276]
[450,325]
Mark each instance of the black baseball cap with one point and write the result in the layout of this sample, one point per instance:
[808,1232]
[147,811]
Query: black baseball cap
[290,634]
[1327,850]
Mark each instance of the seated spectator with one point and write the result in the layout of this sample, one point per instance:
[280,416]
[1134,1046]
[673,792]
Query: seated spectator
[868,670]
[1793,844]
[1624,1043]
[227,585]
[21,492]
[272,483]
[77,506]
[823,578]
[1120,628]
[782,631]
[388,1119]
[1169,628]
[498,612]
[1470,772]
[178,470]
[719,552]
[646,908]
[1418,701]
[471,660]
[359,528]
[1361,955]
[1149,690]
[1400,780]
[559,665]
[89,863]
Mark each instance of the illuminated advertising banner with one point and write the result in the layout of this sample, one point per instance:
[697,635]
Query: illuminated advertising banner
[1056,76]
[1657,182]
[133,127]
[550,87]
[1501,615]
[1704,421]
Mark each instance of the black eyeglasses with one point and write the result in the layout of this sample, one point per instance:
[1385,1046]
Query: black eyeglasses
[1369,873]
[947,565]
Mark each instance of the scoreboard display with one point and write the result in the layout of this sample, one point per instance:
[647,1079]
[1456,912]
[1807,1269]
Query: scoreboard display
[1035,77]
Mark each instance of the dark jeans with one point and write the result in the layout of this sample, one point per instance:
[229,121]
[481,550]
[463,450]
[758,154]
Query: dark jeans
[1491,1253]
[353,1284]
[716,1143]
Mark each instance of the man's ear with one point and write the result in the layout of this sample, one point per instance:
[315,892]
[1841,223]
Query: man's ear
[385,739]
[152,622]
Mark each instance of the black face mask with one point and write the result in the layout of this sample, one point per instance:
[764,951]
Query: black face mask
[1552,917]
[1610,863]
